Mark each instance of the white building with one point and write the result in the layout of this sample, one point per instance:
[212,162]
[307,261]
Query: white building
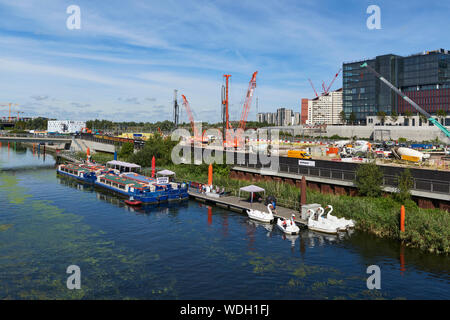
[325,109]
[65,126]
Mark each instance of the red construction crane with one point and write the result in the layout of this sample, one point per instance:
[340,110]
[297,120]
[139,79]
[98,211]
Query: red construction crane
[327,90]
[248,101]
[313,87]
[191,117]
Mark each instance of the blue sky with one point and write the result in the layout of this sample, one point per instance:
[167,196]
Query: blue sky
[128,56]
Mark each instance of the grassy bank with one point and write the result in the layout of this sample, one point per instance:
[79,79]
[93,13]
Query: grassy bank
[427,229]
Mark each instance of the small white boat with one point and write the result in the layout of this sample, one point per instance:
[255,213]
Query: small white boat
[322,224]
[288,225]
[260,215]
[344,223]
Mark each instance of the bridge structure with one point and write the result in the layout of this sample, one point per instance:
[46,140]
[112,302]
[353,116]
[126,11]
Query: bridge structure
[63,142]
[33,139]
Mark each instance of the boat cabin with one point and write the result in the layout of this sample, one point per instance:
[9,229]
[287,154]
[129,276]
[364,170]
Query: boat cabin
[123,166]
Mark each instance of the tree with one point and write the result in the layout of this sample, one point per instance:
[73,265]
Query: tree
[342,116]
[404,185]
[369,179]
[441,114]
[352,118]
[423,118]
[381,115]
[394,116]
[126,151]
[156,146]
[408,114]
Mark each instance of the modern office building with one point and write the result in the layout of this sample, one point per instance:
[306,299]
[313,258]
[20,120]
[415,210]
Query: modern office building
[424,77]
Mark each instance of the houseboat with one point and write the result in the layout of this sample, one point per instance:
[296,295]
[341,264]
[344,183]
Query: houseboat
[128,187]
[78,172]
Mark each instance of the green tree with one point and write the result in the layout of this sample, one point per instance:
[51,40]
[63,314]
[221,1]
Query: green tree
[352,118]
[404,185]
[423,118]
[157,146]
[342,117]
[381,115]
[369,179]
[126,150]
[441,114]
[394,116]
[408,114]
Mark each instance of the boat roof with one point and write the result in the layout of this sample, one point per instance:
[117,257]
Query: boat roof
[124,181]
[75,167]
[138,177]
[123,164]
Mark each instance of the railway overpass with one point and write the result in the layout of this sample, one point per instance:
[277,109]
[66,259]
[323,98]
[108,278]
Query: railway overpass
[62,142]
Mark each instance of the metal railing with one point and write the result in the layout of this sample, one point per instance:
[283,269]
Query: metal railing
[428,185]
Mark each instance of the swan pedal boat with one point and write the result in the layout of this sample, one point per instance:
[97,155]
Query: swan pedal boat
[288,226]
[322,224]
[260,215]
[343,223]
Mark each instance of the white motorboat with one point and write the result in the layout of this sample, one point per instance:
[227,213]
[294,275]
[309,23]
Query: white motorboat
[322,224]
[344,223]
[288,225]
[260,215]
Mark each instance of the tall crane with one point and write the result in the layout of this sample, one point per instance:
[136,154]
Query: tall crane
[407,99]
[225,106]
[18,118]
[313,87]
[6,104]
[176,109]
[327,90]
[248,101]
[191,118]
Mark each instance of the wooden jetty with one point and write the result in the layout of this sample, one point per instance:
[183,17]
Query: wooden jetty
[239,205]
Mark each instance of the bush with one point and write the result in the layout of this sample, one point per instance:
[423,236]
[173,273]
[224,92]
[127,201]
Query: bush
[126,150]
[155,146]
[369,179]
[405,183]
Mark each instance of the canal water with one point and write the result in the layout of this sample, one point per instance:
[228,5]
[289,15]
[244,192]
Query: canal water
[181,251]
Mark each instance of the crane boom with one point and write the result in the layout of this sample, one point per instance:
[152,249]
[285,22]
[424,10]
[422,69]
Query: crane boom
[313,87]
[248,101]
[191,117]
[332,81]
[407,99]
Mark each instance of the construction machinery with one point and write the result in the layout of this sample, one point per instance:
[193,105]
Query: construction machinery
[237,142]
[10,104]
[326,90]
[197,136]
[407,99]
[176,110]
[225,110]
[315,92]
[18,112]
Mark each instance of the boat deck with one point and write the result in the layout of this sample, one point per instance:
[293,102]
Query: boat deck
[124,181]
[240,205]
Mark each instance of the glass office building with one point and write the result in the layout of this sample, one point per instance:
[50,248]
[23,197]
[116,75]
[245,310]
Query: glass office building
[424,77]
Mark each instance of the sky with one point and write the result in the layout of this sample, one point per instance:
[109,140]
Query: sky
[128,56]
